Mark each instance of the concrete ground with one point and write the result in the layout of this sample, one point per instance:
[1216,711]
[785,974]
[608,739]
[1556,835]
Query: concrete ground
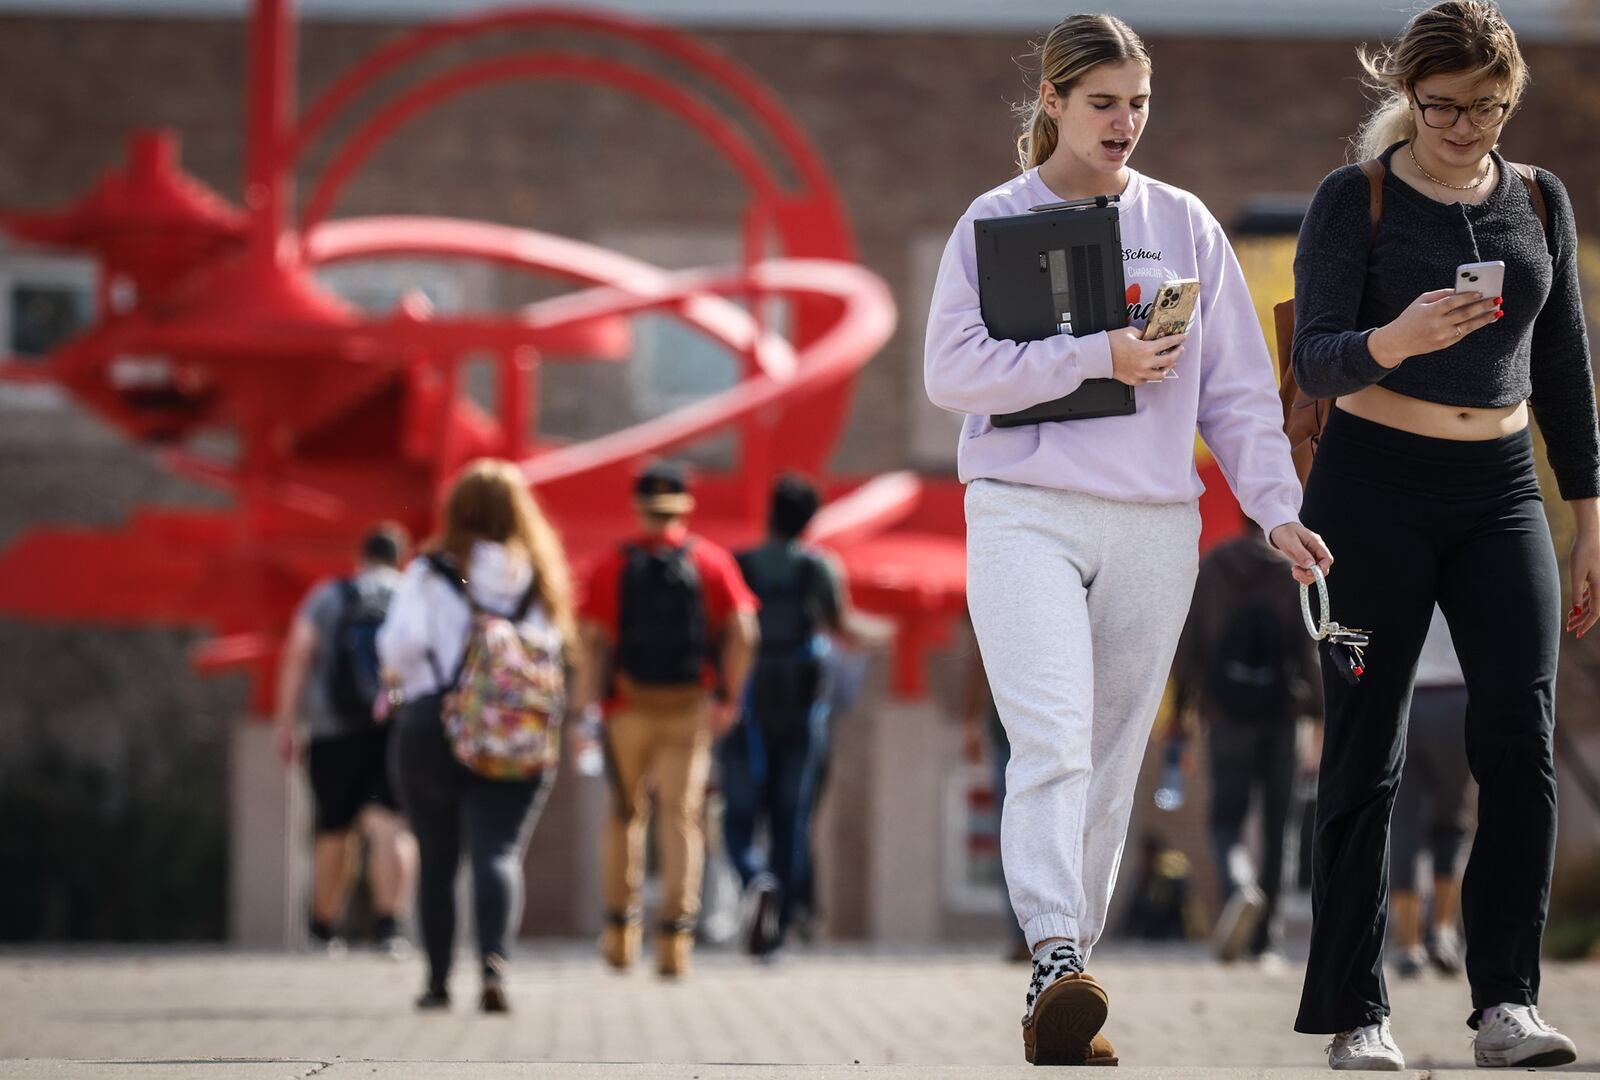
[816,1015]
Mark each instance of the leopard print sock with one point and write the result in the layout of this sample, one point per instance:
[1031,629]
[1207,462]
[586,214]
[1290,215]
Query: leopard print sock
[1051,962]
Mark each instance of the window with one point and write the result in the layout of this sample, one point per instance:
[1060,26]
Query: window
[47,299]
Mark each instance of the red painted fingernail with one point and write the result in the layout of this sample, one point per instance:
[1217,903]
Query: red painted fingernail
[1499,314]
[1497,300]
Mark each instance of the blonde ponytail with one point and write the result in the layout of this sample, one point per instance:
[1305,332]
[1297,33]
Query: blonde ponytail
[1386,125]
[1038,139]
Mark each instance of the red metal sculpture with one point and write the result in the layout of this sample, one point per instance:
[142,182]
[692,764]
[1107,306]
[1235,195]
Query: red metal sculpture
[209,316]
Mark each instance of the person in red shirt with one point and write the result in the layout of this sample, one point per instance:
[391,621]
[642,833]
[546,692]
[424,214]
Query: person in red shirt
[654,613]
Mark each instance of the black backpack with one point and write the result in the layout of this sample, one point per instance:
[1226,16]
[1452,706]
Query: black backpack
[353,678]
[662,634]
[1249,676]
[789,617]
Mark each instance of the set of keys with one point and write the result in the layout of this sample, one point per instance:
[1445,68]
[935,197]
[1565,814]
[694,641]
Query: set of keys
[1343,645]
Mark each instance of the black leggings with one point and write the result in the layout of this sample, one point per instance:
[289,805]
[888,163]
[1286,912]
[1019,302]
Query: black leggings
[1411,521]
[445,801]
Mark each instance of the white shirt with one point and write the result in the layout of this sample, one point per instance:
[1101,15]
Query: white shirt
[429,616]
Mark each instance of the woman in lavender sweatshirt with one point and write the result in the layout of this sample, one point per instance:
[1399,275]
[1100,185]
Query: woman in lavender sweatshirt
[1082,535]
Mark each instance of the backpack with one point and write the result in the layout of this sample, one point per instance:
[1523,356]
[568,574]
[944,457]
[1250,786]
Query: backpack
[354,681]
[662,633]
[789,618]
[502,711]
[787,679]
[1305,416]
[1249,678]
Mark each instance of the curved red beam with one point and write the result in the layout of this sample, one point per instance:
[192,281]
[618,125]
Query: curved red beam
[575,260]
[873,508]
[687,106]
[729,75]
[864,325]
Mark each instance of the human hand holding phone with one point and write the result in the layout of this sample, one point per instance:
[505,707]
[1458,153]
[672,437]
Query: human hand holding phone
[1440,317]
[1171,312]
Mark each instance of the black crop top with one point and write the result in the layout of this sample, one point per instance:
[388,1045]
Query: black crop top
[1348,281]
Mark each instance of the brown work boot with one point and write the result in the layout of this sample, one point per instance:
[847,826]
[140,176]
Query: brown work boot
[672,952]
[1064,1027]
[619,942]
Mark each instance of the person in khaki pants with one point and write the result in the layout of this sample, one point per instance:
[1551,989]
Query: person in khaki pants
[655,608]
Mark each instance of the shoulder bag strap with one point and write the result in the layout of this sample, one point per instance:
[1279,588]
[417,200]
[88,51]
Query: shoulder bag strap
[1530,180]
[1375,171]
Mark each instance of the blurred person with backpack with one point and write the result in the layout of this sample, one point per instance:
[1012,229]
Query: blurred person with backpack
[669,616]
[1248,670]
[1425,479]
[329,677]
[479,638]
[770,763]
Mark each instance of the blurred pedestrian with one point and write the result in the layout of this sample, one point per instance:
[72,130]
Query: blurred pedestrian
[1246,669]
[493,591]
[331,711]
[770,763]
[1082,535]
[654,613]
[1424,479]
[1430,810]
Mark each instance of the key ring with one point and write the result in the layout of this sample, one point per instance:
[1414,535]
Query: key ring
[1318,628]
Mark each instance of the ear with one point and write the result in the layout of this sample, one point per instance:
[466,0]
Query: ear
[1050,100]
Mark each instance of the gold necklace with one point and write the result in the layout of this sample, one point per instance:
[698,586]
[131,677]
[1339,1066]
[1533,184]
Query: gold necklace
[1475,185]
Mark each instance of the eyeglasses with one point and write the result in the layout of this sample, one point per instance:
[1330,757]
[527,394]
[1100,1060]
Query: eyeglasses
[1484,114]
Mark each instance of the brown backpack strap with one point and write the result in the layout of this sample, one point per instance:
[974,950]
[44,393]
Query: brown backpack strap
[1375,172]
[1530,180]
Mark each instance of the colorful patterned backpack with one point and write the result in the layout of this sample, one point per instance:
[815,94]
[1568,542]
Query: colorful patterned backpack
[502,711]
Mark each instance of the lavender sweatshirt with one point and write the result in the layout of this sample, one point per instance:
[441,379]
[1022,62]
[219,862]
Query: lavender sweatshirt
[1225,388]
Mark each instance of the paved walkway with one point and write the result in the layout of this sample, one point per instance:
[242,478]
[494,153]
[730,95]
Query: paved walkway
[816,1015]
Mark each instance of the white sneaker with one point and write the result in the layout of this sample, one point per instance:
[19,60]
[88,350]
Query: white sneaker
[1371,1047]
[1517,1035]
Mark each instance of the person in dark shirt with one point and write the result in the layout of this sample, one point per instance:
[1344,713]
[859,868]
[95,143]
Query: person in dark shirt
[770,762]
[1246,669]
[1424,482]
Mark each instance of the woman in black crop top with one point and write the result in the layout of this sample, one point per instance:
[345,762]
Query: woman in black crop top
[1424,483]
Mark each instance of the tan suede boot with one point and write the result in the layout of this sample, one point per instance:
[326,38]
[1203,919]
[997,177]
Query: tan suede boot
[672,952]
[1064,1028]
[619,943]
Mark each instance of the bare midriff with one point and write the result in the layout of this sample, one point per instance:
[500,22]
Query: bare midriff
[1432,419]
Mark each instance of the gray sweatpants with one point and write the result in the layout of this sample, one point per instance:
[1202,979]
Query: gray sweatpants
[1077,602]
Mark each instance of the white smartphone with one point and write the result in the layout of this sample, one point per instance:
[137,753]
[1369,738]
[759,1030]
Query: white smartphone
[1487,279]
